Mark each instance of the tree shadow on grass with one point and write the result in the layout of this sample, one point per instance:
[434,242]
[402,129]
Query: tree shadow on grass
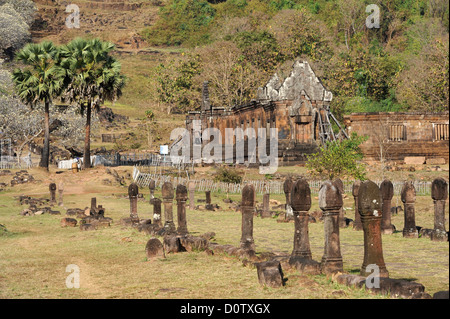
[407,279]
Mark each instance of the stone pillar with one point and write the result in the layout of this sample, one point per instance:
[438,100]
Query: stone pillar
[157,212]
[133,192]
[167,194]
[301,203]
[208,197]
[387,192]
[330,201]
[181,194]
[355,190]
[93,210]
[370,209]
[408,197]
[339,184]
[60,191]
[93,203]
[52,189]
[287,187]
[247,208]
[439,193]
[266,206]
[191,187]
[151,187]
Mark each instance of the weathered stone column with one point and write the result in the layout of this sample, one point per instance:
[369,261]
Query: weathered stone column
[208,197]
[133,192]
[301,203]
[408,197]
[191,187]
[52,189]
[60,191]
[330,201]
[266,206]
[151,187]
[387,192]
[247,208]
[439,193]
[370,209]
[167,194]
[93,203]
[338,182]
[93,209]
[181,194]
[157,212]
[287,187]
[357,225]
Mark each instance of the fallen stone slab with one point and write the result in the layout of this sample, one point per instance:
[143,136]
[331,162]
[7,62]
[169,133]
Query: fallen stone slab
[154,249]
[191,243]
[435,161]
[149,229]
[74,211]
[68,222]
[87,227]
[101,223]
[208,236]
[395,287]
[172,244]
[270,274]
[414,160]
[305,266]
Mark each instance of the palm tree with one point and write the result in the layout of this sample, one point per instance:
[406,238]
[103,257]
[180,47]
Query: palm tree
[92,76]
[40,81]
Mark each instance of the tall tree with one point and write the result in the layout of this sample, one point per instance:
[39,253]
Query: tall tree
[92,76]
[39,81]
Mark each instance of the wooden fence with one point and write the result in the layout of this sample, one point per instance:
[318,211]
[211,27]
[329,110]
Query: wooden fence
[261,186]
[11,162]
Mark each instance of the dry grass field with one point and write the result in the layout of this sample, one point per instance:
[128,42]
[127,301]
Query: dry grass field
[35,250]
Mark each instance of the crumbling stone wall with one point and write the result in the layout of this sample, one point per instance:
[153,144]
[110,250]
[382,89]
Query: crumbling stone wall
[402,134]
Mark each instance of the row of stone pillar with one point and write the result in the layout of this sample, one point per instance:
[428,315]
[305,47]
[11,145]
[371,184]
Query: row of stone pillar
[371,202]
[439,194]
[168,194]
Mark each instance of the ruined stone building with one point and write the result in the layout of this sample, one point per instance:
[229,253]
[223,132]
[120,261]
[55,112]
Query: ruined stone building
[296,107]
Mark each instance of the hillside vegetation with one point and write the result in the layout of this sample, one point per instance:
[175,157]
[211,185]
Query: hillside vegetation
[237,44]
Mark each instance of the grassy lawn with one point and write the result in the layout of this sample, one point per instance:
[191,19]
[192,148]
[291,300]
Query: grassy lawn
[35,250]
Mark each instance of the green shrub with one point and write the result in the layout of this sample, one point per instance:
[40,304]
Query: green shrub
[338,159]
[227,175]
